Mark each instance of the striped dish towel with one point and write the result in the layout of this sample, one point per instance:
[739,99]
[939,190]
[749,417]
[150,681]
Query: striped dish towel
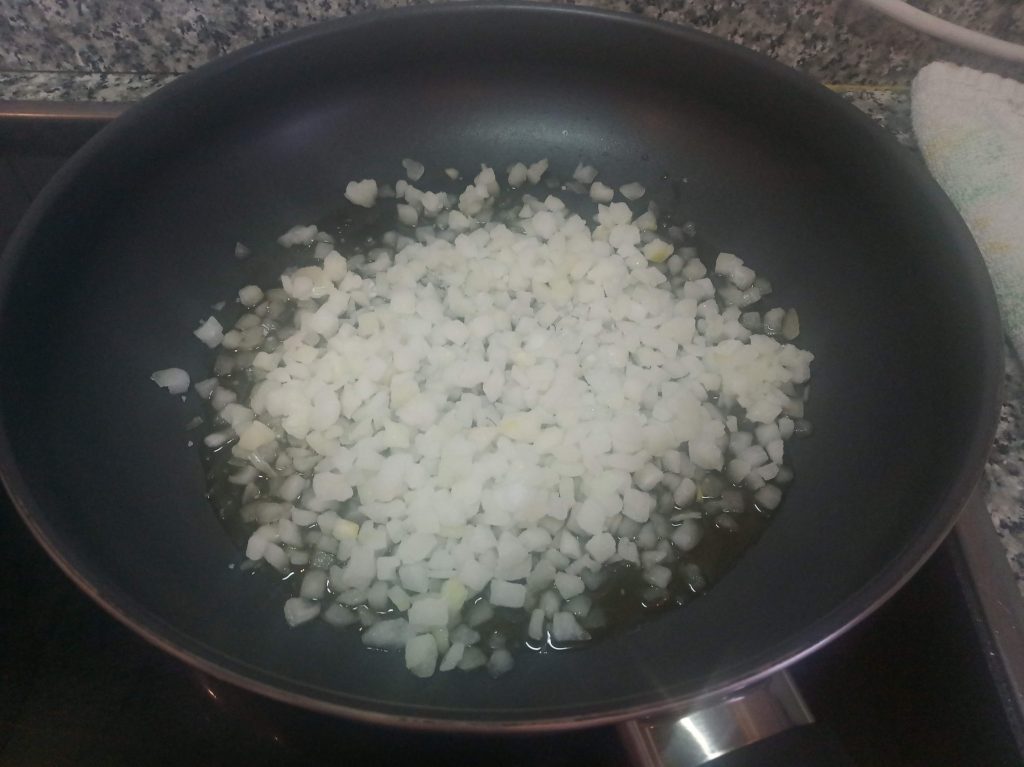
[970,127]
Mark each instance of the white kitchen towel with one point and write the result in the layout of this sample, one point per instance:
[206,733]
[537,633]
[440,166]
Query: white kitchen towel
[970,128]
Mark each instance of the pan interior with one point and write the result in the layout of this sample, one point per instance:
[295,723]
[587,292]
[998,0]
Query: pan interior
[132,245]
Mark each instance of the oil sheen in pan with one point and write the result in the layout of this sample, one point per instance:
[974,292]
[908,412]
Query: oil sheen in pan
[729,519]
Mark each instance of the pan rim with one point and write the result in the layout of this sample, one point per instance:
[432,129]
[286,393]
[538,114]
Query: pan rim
[871,595]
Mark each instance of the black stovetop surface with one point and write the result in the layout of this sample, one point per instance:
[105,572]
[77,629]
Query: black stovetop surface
[912,685]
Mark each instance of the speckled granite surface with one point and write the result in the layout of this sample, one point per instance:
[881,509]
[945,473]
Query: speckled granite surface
[834,40]
[119,50]
[1004,473]
[889,107]
[78,86]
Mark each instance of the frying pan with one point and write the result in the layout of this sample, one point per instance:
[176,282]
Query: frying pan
[132,242]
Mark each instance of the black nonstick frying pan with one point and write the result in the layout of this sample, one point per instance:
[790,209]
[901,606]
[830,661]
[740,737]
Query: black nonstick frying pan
[131,243]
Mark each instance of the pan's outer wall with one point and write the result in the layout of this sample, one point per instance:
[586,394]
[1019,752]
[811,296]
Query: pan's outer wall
[132,242]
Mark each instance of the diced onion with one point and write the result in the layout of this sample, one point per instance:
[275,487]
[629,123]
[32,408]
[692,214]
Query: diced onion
[175,380]
[476,415]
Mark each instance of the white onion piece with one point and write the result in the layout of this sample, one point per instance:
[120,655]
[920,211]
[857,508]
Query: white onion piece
[413,169]
[210,332]
[452,657]
[388,634]
[500,662]
[421,655]
[517,175]
[601,193]
[206,387]
[585,174]
[298,611]
[536,171]
[250,295]
[565,628]
[175,380]
[633,191]
[298,235]
[362,193]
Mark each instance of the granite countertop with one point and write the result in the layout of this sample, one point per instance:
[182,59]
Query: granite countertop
[121,51]
[840,41]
